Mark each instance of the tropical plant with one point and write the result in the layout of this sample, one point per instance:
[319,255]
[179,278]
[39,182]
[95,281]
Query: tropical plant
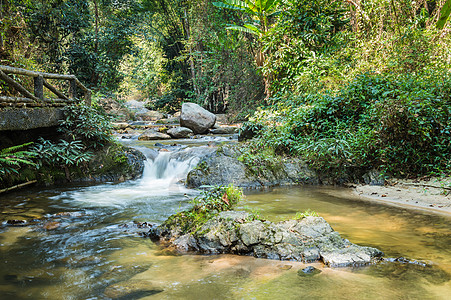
[12,158]
[88,124]
[63,154]
[259,12]
[444,14]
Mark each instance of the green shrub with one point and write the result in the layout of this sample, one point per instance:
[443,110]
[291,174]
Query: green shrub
[400,124]
[87,124]
[218,198]
[205,206]
[305,214]
[63,154]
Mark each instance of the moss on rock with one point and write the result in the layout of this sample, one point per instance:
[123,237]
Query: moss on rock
[114,162]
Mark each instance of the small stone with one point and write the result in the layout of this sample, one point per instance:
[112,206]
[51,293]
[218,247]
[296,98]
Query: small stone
[308,271]
[51,225]
[285,267]
[16,222]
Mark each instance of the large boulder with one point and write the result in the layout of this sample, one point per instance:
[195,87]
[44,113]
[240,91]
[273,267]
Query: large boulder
[225,166]
[308,240]
[180,132]
[196,118]
[151,134]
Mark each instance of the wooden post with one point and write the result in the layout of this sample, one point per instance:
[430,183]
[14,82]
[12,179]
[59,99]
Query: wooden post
[73,89]
[39,87]
[88,97]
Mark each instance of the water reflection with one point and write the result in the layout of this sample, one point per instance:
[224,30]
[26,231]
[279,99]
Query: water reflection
[94,252]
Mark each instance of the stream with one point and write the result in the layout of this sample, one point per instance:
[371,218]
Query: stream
[83,242]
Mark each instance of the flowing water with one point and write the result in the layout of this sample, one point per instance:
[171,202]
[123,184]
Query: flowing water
[82,242]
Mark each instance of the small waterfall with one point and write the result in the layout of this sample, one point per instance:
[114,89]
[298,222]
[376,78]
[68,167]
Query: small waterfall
[161,180]
[164,166]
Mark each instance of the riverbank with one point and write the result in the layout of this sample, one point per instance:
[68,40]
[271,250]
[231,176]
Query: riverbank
[432,194]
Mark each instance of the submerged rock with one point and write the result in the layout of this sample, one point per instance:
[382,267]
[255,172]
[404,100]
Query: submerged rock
[308,271]
[308,240]
[51,225]
[196,118]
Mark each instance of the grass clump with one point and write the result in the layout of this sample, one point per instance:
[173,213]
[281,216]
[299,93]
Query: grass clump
[205,206]
[305,214]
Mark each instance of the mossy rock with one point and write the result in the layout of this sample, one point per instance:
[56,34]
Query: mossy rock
[114,162]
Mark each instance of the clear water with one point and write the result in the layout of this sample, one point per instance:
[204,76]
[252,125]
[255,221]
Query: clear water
[84,245]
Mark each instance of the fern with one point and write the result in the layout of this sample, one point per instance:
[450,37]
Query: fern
[11,159]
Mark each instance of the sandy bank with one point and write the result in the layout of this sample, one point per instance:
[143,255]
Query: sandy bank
[433,194]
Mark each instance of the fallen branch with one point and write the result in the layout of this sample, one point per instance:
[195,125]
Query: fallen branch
[428,185]
[17,186]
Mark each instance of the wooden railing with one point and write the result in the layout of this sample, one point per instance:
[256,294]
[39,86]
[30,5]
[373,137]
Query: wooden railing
[36,99]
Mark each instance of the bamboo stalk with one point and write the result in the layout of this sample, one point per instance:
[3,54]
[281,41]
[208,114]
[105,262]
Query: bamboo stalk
[18,186]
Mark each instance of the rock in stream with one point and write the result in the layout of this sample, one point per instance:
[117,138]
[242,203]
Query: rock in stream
[236,232]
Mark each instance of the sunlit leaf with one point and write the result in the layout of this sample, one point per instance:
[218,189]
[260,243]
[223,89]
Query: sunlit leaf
[444,14]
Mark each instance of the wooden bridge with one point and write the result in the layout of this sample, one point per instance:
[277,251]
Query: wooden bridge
[21,113]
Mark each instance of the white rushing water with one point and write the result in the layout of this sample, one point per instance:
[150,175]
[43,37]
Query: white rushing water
[162,179]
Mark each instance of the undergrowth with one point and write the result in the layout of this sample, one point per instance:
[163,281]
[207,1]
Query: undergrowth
[397,123]
[205,206]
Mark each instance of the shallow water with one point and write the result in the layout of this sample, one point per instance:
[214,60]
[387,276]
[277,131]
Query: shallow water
[84,245]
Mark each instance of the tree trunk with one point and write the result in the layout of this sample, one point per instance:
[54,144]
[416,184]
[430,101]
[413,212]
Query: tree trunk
[191,60]
[1,21]
[95,75]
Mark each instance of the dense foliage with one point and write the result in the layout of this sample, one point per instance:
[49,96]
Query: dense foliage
[86,37]
[398,123]
[347,84]
[87,124]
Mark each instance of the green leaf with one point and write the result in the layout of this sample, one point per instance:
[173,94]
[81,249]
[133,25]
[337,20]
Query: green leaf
[254,28]
[232,4]
[444,14]
[241,28]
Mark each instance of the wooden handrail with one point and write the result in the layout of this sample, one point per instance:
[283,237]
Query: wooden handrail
[19,71]
[40,83]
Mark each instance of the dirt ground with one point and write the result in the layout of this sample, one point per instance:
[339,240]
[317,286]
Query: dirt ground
[431,194]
